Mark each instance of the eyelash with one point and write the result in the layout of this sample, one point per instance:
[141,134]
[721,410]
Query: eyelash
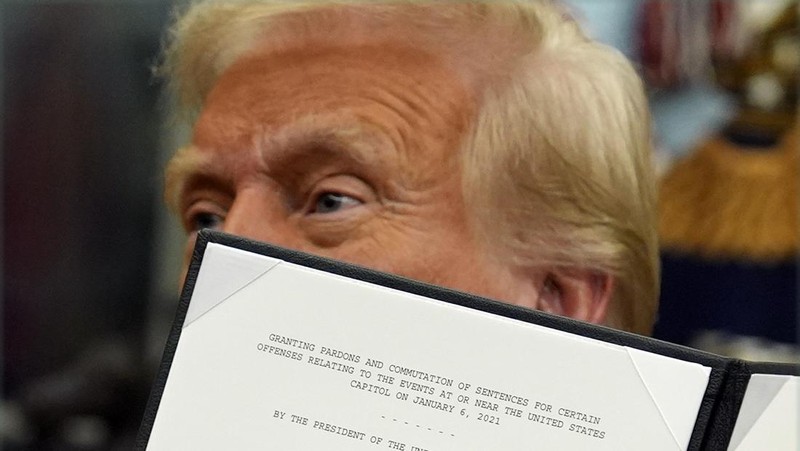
[208,208]
[352,191]
[201,210]
[205,217]
[345,201]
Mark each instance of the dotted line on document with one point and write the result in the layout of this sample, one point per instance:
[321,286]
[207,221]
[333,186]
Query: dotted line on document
[395,420]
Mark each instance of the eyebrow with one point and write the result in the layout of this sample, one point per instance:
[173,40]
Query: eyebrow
[186,163]
[350,139]
[347,137]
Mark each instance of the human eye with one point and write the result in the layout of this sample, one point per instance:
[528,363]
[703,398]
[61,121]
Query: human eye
[337,197]
[206,220]
[334,207]
[203,215]
[331,202]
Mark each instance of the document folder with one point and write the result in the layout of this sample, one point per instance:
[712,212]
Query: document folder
[276,349]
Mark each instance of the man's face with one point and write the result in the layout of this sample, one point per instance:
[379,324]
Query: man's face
[349,153]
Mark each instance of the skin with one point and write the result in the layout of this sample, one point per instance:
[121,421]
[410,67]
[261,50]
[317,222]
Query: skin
[353,153]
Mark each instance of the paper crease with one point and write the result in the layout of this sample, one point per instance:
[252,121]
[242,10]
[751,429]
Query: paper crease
[225,272]
[653,399]
[740,435]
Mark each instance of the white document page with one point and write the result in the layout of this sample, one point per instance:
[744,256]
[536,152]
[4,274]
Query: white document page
[769,415]
[300,359]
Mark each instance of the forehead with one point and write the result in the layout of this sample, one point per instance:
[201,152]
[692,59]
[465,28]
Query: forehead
[406,93]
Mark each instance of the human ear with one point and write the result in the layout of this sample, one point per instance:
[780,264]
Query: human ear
[581,294]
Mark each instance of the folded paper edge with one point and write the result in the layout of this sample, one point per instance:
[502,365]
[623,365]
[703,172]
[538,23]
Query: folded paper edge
[224,272]
[653,381]
[748,421]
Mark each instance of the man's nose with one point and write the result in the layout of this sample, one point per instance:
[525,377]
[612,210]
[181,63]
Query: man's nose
[255,215]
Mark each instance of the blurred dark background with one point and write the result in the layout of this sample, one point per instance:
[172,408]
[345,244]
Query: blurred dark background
[84,232]
[91,258]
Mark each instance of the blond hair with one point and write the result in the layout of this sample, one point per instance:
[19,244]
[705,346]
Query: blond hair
[556,167]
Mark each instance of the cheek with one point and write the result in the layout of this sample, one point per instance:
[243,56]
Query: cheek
[470,274]
[427,241]
[440,256]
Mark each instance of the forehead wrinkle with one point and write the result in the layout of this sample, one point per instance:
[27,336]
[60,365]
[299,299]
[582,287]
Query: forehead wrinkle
[248,92]
[344,136]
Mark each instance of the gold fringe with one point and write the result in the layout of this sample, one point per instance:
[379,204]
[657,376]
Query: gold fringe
[732,203]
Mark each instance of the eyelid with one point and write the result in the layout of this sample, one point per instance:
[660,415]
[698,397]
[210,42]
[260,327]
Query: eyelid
[193,208]
[344,184]
[345,203]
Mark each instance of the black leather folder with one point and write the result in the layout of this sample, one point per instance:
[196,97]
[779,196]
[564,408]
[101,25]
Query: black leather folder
[304,352]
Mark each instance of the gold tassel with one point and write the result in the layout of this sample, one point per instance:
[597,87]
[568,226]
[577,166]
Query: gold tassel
[728,202]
